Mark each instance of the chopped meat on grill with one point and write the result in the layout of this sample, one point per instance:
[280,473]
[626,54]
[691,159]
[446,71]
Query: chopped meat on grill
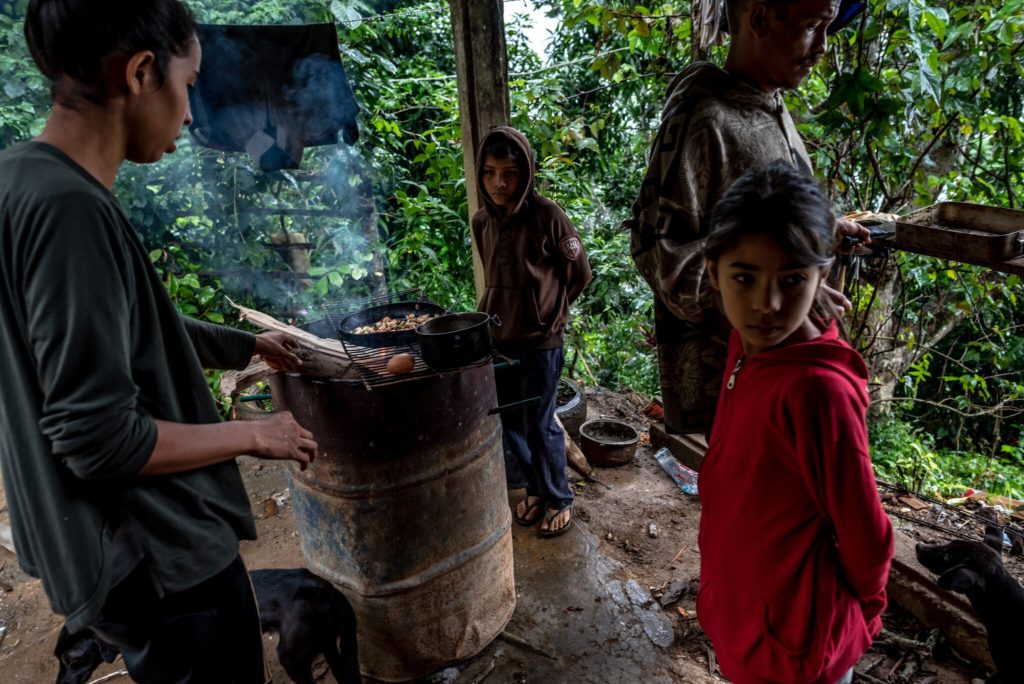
[389,324]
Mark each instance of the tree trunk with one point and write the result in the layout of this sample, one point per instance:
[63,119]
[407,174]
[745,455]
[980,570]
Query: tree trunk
[889,344]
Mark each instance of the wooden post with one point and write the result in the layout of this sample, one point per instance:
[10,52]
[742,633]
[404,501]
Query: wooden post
[481,65]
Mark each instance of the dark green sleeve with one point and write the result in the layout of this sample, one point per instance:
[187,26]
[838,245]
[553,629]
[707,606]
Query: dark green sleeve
[219,346]
[78,290]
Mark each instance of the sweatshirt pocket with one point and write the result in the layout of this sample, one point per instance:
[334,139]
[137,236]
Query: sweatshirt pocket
[518,310]
[752,640]
[795,650]
[792,648]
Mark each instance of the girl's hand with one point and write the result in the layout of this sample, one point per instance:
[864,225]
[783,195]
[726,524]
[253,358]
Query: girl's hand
[279,437]
[276,349]
[836,300]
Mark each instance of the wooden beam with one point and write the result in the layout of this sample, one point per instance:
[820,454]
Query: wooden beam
[481,65]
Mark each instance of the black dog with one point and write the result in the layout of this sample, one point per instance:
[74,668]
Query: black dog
[80,654]
[309,616]
[306,612]
[976,570]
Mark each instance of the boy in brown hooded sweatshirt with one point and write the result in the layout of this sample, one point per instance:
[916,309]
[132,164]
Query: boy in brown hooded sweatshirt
[534,268]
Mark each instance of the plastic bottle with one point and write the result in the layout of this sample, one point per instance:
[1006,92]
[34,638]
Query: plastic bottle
[680,474]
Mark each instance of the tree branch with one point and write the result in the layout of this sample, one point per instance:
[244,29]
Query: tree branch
[878,174]
[902,194]
[999,409]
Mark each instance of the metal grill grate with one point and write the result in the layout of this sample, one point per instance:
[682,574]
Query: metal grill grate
[371,363]
[343,307]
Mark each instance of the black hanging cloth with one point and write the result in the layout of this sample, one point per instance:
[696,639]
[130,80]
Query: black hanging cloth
[271,91]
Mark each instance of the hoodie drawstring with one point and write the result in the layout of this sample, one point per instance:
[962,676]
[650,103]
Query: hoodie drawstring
[732,378]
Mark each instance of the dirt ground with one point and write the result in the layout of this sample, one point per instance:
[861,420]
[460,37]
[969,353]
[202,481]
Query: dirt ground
[639,516]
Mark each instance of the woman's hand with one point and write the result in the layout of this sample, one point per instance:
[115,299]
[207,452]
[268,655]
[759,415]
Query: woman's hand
[276,349]
[181,446]
[280,437]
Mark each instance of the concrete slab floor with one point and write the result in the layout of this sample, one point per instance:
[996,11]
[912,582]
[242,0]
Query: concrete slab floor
[575,621]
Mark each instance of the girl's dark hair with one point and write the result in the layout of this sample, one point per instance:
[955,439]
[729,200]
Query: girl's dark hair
[72,39]
[779,201]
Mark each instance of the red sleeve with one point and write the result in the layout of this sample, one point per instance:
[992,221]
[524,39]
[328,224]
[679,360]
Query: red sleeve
[833,437]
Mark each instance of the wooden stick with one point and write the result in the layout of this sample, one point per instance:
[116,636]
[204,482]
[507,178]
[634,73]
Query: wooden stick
[577,461]
[486,673]
[232,381]
[586,368]
[841,280]
[321,357]
[316,363]
[519,641]
[680,554]
[304,338]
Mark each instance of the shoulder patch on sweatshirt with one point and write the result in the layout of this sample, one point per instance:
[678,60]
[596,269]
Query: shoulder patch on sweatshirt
[570,247]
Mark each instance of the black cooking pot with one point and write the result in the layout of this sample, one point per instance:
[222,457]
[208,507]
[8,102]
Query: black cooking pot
[455,340]
[397,311]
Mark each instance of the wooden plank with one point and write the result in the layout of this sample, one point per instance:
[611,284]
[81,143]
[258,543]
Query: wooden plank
[320,357]
[481,65]
[914,503]
[688,449]
[1014,266]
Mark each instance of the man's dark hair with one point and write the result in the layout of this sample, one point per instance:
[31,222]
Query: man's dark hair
[72,39]
[734,9]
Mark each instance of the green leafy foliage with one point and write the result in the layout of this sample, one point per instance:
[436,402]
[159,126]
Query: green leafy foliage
[909,457]
[916,102]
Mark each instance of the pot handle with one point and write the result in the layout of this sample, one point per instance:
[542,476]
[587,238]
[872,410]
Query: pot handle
[495,320]
[512,405]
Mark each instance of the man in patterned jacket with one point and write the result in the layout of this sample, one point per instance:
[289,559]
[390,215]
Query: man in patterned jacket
[716,124]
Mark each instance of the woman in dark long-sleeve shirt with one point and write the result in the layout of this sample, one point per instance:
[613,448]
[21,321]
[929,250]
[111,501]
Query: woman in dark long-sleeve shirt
[120,478]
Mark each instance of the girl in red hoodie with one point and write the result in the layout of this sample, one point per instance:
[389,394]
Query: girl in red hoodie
[795,547]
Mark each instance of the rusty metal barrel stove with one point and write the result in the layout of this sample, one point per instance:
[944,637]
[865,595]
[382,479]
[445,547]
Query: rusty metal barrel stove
[405,511]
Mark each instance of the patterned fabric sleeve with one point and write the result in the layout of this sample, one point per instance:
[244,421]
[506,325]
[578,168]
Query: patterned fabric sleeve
[671,215]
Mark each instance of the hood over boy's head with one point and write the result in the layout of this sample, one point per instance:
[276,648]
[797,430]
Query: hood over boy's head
[505,173]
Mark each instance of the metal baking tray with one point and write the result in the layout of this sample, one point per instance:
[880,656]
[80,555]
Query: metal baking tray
[964,231]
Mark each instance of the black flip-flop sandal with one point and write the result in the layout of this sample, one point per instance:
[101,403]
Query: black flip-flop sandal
[550,515]
[526,520]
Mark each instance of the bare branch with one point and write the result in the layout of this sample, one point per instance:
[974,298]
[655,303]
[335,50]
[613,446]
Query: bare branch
[1000,409]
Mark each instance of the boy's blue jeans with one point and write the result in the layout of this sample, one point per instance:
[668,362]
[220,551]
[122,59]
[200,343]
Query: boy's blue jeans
[530,430]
